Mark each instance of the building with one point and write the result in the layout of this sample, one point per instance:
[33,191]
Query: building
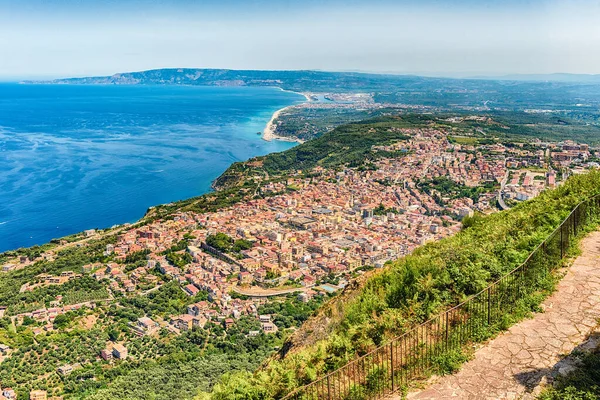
[146,326]
[4,349]
[183,322]
[106,354]
[228,323]
[191,290]
[65,370]
[551,178]
[269,327]
[119,351]
[264,318]
[9,393]
[38,395]
[197,309]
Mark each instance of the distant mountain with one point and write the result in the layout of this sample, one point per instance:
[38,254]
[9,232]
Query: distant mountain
[294,80]
[514,92]
[302,79]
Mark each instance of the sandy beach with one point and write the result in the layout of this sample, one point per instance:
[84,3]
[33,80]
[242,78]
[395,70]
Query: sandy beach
[269,131]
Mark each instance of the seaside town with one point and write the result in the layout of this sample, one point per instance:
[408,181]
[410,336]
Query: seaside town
[306,238]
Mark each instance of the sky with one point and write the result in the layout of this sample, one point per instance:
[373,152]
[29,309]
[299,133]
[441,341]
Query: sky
[65,38]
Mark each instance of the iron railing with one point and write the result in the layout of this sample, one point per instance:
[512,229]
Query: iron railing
[413,355]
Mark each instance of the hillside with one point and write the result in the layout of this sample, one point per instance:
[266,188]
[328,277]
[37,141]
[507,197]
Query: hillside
[351,144]
[292,80]
[410,290]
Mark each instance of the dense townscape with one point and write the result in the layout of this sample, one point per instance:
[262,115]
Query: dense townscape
[201,277]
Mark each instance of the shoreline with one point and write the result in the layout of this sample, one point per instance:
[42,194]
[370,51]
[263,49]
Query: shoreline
[268,133]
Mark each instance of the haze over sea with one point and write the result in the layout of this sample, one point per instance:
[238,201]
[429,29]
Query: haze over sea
[79,157]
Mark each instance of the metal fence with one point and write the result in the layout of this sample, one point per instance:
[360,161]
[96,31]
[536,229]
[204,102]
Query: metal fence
[414,354]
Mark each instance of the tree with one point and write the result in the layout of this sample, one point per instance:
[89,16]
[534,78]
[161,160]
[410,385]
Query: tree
[220,241]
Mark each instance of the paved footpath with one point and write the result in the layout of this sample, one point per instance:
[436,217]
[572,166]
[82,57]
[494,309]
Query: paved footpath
[514,364]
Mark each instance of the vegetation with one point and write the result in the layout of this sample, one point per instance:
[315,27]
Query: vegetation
[68,259]
[227,244]
[448,188]
[169,299]
[581,384]
[175,380]
[349,144]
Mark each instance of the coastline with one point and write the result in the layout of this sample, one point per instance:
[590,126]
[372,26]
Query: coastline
[269,131]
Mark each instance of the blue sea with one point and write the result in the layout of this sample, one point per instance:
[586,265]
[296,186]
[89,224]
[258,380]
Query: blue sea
[79,157]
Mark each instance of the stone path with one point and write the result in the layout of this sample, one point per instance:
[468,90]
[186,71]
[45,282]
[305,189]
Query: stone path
[517,363]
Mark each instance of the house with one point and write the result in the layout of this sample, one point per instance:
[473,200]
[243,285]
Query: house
[264,318]
[65,370]
[8,267]
[228,323]
[250,264]
[146,326]
[99,275]
[303,297]
[245,277]
[106,354]
[199,321]
[9,393]
[4,349]
[269,327]
[38,395]
[309,280]
[39,315]
[197,309]
[183,322]
[191,290]
[119,351]
[86,269]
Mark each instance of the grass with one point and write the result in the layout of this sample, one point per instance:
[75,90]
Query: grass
[581,384]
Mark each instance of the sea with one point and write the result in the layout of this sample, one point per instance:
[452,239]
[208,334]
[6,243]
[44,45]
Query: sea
[77,157]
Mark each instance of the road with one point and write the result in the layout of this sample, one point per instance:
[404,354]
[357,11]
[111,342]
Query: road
[267,292]
[500,199]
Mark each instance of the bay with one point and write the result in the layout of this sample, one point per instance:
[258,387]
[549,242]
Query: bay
[76,157]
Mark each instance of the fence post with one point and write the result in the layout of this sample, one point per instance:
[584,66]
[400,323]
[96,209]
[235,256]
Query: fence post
[392,363]
[489,304]
[446,338]
[328,388]
[561,241]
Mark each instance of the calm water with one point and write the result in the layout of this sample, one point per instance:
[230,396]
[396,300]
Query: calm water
[80,157]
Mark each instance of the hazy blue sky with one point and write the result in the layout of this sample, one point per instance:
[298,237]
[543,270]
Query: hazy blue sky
[52,38]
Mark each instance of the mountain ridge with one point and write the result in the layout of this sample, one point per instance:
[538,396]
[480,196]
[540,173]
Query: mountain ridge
[241,77]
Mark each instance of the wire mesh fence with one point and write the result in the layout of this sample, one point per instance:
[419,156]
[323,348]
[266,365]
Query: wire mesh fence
[411,356]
